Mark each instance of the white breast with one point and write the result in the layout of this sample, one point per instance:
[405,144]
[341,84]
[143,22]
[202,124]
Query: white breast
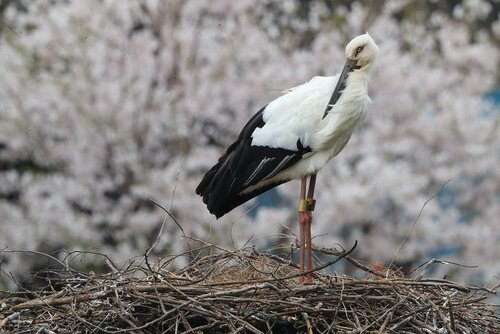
[336,129]
[298,115]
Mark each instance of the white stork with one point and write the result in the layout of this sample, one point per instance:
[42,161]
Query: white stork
[293,137]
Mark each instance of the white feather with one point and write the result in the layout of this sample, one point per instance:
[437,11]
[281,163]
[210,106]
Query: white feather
[295,115]
[299,115]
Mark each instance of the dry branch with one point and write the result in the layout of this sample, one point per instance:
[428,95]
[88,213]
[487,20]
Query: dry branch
[247,292]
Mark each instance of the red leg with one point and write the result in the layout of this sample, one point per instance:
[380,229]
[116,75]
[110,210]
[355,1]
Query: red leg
[302,228]
[310,196]
[302,223]
[308,244]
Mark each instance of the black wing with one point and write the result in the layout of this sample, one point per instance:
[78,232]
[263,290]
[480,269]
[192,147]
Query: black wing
[243,166]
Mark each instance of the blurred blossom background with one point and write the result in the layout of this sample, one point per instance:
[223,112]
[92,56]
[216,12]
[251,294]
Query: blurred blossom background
[106,104]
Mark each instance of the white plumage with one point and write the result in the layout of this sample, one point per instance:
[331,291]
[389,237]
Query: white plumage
[294,135]
[297,115]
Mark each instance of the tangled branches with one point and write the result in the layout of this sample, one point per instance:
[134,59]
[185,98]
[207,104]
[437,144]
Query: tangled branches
[246,291]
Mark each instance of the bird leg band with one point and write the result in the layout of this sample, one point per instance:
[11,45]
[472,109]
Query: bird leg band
[307,204]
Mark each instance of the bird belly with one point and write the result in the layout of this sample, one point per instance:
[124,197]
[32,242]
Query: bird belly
[310,164]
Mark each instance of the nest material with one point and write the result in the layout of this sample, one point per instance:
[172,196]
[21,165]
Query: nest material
[246,292]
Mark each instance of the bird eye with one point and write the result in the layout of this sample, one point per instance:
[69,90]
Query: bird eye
[359,49]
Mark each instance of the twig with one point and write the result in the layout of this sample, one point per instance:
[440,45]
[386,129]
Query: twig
[441,315]
[349,258]
[415,221]
[386,321]
[308,323]
[11,317]
[450,310]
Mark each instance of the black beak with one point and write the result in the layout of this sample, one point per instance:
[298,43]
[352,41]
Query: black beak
[348,67]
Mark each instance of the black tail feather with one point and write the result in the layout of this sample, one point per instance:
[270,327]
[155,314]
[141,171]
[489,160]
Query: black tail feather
[218,194]
[207,179]
[242,166]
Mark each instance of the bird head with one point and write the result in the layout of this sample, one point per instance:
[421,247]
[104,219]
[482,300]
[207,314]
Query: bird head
[361,52]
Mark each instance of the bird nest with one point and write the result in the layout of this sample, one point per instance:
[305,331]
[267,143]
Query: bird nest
[246,291]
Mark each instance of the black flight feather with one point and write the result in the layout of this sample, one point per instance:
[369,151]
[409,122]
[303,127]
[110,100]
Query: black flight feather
[244,165]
